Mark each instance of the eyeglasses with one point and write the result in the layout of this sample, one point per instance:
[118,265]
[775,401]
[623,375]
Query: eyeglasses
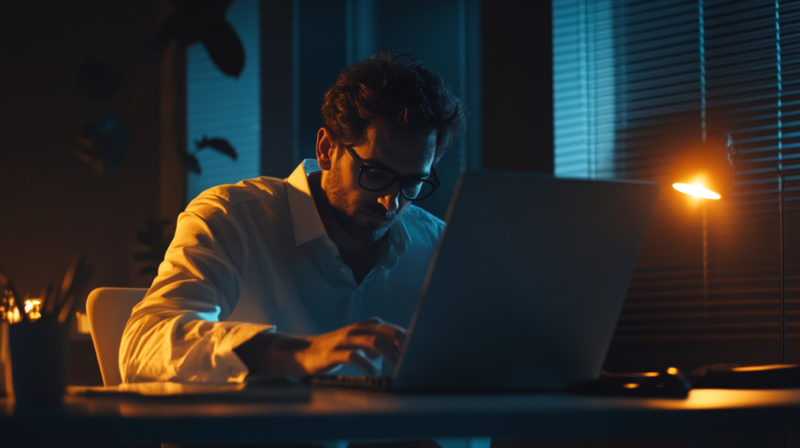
[413,188]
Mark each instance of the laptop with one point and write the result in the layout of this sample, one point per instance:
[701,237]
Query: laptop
[525,288]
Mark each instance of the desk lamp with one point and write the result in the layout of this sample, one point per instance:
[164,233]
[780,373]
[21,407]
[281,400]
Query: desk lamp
[706,170]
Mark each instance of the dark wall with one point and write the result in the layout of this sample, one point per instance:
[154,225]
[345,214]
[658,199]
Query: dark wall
[294,80]
[517,86]
[277,120]
[53,203]
[322,57]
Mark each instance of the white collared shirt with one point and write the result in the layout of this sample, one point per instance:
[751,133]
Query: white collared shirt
[255,256]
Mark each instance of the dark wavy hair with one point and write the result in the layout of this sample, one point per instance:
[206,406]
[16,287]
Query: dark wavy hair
[395,87]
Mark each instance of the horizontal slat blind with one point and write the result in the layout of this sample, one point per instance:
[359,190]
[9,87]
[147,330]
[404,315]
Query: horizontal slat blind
[226,107]
[583,88]
[705,289]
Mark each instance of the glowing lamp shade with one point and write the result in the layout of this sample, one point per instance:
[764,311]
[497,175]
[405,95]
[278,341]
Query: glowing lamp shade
[705,170]
[697,190]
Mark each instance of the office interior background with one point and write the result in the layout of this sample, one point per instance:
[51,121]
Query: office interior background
[598,89]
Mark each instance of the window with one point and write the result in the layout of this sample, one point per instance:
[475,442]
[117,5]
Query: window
[635,83]
[583,88]
[225,107]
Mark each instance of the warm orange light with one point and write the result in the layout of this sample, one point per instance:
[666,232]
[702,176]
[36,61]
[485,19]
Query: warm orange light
[672,371]
[82,320]
[8,309]
[650,374]
[13,316]
[630,386]
[33,308]
[760,368]
[696,190]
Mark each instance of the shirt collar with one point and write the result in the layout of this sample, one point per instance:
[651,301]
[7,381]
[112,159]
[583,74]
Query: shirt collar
[305,217]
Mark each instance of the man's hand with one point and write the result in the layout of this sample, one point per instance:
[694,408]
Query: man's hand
[300,356]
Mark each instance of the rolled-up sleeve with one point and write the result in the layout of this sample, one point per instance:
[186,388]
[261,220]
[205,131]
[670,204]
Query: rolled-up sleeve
[178,332]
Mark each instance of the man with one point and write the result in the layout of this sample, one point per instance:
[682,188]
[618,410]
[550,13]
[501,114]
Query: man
[274,276]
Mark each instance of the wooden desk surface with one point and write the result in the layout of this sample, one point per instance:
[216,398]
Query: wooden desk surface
[353,415]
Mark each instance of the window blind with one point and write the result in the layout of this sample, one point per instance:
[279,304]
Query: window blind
[636,82]
[583,88]
[225,107]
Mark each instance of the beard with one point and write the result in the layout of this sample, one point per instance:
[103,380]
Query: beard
[345,212]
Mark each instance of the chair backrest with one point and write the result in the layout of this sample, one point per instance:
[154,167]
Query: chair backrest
[108,310]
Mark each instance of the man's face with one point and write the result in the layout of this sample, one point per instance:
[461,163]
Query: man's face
[366,215]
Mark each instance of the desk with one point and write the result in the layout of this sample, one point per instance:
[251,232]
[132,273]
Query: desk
[353,415]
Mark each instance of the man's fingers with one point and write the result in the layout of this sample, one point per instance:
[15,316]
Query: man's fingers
[393,334]
[355,357]
[328,369]
[365,349]
[372,343]
[378,321]
[354,344]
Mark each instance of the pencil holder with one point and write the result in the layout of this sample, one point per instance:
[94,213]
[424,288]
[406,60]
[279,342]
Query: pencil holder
[38,361]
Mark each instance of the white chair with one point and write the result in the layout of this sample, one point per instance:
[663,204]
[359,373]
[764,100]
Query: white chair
[108,310]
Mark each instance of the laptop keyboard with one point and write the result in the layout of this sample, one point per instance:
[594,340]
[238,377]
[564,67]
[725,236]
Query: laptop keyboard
[357,381]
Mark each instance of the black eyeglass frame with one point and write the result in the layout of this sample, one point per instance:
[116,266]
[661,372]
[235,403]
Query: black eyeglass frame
[434,182]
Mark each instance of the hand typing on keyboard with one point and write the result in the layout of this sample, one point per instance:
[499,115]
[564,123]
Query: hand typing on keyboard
[276,353]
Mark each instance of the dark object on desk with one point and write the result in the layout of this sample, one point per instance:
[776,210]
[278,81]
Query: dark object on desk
[733,376]
[38,361]
[37,336]
[181,392]
[670,383]
[372,382]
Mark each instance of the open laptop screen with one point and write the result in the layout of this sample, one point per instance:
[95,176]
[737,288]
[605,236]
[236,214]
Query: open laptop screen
[527,284]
